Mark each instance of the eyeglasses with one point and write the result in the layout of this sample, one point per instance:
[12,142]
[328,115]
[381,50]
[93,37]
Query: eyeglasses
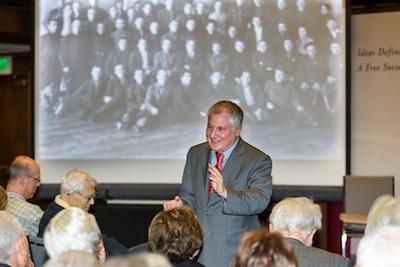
[37,179]
[87,197]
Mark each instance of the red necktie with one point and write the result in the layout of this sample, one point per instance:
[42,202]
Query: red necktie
[218,165]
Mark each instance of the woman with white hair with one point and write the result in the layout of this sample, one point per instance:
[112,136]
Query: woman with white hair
[73,229]
[384,211]
[380,248]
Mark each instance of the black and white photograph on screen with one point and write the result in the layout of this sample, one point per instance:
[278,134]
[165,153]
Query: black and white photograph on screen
[123,79]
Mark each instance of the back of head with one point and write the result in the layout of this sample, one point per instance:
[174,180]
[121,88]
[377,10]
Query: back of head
[380,248]
[227,106]
[74,258]
[10,231]
[75,180]
[72,229]
[144,259]
[3,198]
[296,214]
[258,248]
[385,211]
[176,233]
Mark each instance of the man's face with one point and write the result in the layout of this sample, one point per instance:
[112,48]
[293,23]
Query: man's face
[153,27]
[215,78]
[83,199]
[119,24]
[239,46]
[288,45]
[100,28]
[173,26]
[220,132]
[216,48]
[166,45]
[31,182]
[190,46]
[52,26]
[190,25]
[311,51]
[122,44]
[279,75]
[262,46]
[91,12]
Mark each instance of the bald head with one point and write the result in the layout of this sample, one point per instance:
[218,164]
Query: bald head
[24,176]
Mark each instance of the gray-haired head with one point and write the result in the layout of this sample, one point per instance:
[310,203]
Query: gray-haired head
[384,211]
[296,214]
[380,248]
[75,180]
[11,231]
[72,229]
[228,106]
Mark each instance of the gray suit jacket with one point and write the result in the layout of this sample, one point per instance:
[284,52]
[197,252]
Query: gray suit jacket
[247,177]
[315,257]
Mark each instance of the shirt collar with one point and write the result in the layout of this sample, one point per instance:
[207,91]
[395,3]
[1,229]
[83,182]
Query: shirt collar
[59,201]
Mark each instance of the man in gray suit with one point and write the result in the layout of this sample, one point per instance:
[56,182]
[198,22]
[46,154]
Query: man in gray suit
[297,219]
[227,194]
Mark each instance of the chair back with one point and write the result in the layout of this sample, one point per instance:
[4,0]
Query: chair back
[37,250]
[360,192]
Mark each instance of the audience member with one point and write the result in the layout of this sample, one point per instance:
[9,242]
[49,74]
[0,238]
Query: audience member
[73,229]
[3,198]
[176,234]
[22,185]
[380,248]
[14,248]
[298,219]
[144,259]
[74,258]
[258,248]
[385,211]
[78,189]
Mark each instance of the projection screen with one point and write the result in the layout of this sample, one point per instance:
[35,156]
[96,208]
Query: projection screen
[123,87]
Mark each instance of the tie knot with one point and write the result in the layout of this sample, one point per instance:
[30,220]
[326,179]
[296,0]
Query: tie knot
[220,158]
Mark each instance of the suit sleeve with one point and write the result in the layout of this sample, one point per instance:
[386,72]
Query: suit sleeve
[255,198]
[186,192]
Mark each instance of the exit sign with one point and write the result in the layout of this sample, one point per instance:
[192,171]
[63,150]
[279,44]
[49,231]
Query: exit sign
[5,65]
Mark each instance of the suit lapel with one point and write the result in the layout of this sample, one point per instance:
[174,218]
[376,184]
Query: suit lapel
[230,170]
[234,162]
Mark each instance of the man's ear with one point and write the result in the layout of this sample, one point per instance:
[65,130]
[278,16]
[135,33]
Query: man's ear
[310,237]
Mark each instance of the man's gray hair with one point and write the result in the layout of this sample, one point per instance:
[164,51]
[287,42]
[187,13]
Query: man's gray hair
[10,230]
[385,211]
[296,214]
[75,181]
[227,106]
[380,248]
